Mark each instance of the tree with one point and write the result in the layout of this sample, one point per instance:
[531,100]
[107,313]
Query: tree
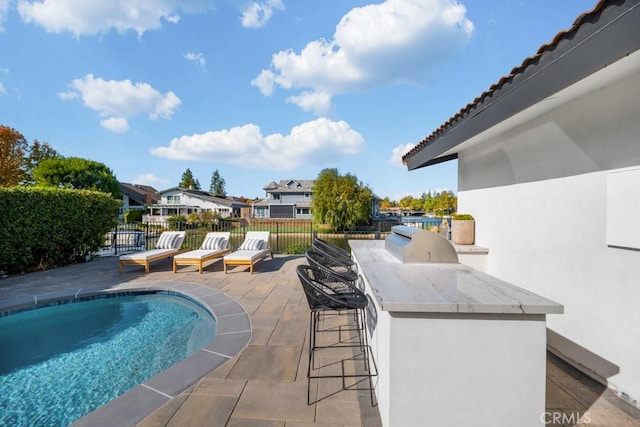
[217,184]
[447,203]
[340,200]
[76,173]
[405,202]
[440,203]
[385,204]
[188,181]
[38,152]
[13,147]
[429,203]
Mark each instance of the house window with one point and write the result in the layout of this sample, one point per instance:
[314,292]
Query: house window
[276,196]
[307,195]
[302,211]
[173,200]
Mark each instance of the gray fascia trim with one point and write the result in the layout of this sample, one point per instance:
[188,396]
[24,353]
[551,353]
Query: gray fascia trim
[594,46]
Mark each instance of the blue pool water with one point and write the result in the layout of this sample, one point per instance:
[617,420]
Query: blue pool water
[60,362]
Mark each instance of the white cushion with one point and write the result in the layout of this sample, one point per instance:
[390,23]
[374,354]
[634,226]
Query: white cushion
[251,245]
[167,241]
[212,243]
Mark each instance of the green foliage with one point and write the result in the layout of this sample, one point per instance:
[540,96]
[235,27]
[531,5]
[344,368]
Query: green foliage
[133,215]
[38,152]
[76,173]
[440,203]
[188,181]
[297,249]
[462,217]
[217,186]
[176,222]
[340,200]
[43,228]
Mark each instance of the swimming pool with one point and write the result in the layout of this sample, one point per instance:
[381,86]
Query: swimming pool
[62,361]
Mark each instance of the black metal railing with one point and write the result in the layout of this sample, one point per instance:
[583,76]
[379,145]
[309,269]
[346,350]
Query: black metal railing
[286,237]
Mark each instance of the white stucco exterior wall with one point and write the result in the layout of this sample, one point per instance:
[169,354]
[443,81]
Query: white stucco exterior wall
[550,237]
[537,185]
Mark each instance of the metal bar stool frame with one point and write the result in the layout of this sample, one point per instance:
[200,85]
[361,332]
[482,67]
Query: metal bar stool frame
[331,295]
[325,261]
[334,251]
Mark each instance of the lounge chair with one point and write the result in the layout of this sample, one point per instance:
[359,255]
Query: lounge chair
[167,246]
[214,246]
[254,249]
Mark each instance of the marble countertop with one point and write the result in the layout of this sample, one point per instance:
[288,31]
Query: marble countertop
[439,287]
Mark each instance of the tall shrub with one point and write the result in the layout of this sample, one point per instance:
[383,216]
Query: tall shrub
[43,228]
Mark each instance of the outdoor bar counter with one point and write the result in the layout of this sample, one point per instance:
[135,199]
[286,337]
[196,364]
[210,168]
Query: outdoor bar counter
[454,346]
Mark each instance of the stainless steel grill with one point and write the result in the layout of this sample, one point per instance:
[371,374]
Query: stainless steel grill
[410,244]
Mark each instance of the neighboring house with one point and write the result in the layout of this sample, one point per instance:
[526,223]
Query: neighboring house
[292,199]
[286,199]
[549,165]
[182,201]
[136,197]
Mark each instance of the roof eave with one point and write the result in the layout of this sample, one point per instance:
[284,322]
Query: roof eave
[602,38]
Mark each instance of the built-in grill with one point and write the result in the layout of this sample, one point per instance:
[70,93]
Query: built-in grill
[410,244]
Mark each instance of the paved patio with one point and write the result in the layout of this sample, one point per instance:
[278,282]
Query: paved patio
[265,384]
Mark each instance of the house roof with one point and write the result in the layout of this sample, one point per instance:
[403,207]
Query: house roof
[290,186]
[142,194]
[209,197]
[596,39]
[270,186]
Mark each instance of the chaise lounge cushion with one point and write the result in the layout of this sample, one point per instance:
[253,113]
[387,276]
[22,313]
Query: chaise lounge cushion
[251,245]
[254,248]
[168,241]
[168,245]
[215,245]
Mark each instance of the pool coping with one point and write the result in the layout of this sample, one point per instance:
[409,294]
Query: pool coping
[233,332]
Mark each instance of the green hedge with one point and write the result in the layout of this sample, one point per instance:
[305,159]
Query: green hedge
[134,215]
[42,228]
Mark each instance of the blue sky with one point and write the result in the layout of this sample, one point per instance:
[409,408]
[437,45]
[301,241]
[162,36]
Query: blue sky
[259,90]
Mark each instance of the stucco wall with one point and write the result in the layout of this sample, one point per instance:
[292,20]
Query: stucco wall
[537,187]
[550,236]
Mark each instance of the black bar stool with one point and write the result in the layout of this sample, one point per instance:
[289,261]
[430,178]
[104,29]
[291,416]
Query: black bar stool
[334,251]
[328,292]
[324,261]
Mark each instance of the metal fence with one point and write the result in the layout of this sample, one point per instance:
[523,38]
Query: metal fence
[285,237]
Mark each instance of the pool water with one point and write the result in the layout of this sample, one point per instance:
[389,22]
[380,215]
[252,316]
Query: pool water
[61,362]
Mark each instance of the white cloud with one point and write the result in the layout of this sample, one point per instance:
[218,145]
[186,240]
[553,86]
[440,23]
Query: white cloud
[149,179]
[398,152]
[174,19]
[316,102]
[121,99]
[398,41]
[115,124]
[257,14]
[81,17]
[3,91]
[318,142]
[198,58]
[4,8]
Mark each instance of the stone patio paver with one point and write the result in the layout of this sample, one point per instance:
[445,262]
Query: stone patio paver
[265,384]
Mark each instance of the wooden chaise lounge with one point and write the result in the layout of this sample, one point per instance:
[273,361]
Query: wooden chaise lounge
[167,246]
[215,245]
[254,249]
